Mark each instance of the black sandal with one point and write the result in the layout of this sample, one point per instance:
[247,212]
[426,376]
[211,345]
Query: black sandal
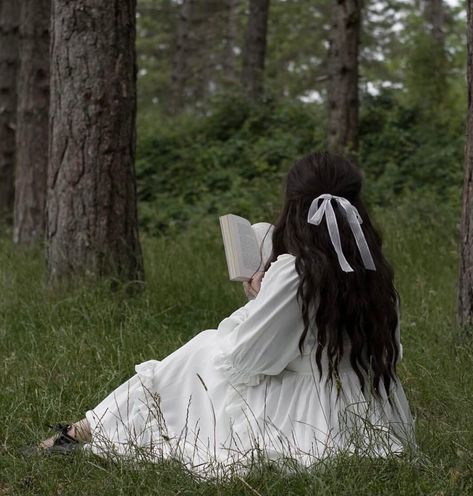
[63,444]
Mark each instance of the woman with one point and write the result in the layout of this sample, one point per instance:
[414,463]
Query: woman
[305,370]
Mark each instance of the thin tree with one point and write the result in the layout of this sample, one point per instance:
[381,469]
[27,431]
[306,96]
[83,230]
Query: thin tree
[342,90]
[32,122]
[92,225]
[434,11]
[465,293]
[200,42]
[185,44]
[254,50]
[231,35]
[8,73]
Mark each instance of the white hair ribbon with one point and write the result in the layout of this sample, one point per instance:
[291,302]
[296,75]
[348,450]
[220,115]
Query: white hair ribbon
[315,216]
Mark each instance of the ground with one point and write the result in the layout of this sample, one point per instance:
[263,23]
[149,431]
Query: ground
[62,350]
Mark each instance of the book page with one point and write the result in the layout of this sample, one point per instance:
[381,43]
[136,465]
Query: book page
[249,250]
[247,247]
[264,238]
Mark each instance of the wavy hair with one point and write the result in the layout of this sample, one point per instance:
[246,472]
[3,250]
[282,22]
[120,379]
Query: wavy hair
[360,305]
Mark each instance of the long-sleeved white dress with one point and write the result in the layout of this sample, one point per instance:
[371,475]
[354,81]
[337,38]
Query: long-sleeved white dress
[244,392]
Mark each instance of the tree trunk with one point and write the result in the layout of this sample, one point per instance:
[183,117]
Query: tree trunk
[254,52]
[465,290]
[434,11]
[8,68]
[32,121]
[180,70]
[342,91]
[229,63]
[92,225]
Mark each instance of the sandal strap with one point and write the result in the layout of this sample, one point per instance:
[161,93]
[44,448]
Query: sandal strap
[64,437]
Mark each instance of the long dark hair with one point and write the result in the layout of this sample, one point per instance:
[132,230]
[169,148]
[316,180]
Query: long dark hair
[359,304]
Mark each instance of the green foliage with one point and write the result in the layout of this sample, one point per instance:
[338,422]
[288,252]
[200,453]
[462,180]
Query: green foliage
[62,353]
[227,155]
[297,51]
[427,73]
[396,50]
[232,160]
[402,153]
[235,158]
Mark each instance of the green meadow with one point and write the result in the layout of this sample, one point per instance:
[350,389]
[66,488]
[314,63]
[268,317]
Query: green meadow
[62,351]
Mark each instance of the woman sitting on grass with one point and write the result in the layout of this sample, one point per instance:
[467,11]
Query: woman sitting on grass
[303,371]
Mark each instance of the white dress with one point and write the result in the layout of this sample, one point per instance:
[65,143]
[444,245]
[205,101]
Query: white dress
[243,392]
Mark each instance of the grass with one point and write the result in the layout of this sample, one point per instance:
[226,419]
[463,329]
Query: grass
[62,352]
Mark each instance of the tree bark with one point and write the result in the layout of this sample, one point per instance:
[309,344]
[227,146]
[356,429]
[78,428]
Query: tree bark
[8,69]
[254,52]
[229,62]
[465,286]
[342,90]
[180,71]
[32,122]
[92,225]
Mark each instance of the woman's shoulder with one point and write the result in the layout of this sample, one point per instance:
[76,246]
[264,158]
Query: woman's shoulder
[286,256]
[285,259]
[282,271]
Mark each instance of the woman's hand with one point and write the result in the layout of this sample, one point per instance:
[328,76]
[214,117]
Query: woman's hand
[253,286]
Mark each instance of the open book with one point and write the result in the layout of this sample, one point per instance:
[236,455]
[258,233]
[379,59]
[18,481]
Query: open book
[247,247]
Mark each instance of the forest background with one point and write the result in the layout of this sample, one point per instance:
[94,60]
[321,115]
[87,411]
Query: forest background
[224,152]
[205,149]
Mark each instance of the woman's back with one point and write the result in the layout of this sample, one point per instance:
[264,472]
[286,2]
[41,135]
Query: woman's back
[346,286]
[290,398]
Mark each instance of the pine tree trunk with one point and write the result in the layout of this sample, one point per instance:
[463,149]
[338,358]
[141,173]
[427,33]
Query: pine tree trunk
[8,69]
[32,121]
[342,91]
[92,225]
[229,63]
[465,292]
[254,52]
[180,70]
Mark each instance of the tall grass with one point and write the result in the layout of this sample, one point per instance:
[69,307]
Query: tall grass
[62,352]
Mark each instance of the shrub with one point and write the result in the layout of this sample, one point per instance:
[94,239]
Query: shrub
[234,158]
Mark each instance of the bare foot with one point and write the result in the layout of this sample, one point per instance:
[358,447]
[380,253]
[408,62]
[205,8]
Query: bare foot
[47,443]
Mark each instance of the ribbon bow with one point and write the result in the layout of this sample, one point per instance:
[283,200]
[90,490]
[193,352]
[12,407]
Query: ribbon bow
[316,214]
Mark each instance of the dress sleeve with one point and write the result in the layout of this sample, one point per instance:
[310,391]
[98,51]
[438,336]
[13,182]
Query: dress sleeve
[233,320]
[262,337]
